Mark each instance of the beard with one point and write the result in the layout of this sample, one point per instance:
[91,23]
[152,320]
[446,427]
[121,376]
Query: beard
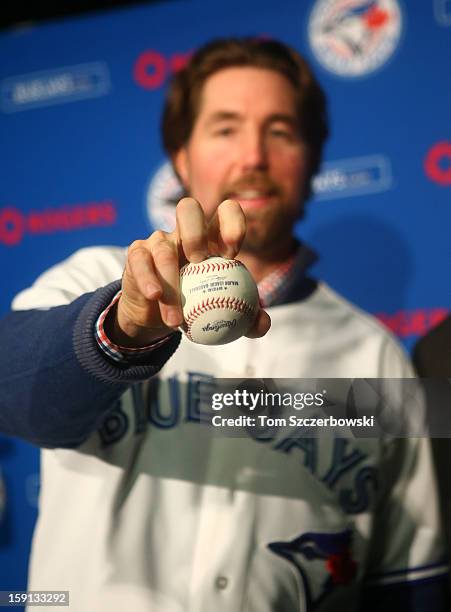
[268,232]
[270,229]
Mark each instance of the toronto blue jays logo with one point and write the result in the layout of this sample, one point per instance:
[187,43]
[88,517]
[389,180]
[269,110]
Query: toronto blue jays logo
[354,37]
[333,549]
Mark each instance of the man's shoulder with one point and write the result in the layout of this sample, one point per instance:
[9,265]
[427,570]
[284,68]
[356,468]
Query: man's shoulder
[97,261]
[84,271]
[337,309]
[347,325]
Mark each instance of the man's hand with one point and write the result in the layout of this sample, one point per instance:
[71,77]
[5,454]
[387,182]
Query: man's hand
[150,306]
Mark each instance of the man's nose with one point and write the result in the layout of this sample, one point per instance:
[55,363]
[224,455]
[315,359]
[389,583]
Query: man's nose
[254,154]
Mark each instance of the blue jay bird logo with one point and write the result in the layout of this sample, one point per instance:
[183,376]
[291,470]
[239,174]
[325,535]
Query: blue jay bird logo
[354,37]
[334,549]
[355,25]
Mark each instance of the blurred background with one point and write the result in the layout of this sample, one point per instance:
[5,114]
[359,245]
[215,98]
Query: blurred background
[81,89]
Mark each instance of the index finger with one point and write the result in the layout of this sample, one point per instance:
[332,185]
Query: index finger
[165,260]
[191,230]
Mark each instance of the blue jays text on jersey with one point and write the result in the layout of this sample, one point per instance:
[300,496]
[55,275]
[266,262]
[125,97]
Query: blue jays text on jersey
[187,405]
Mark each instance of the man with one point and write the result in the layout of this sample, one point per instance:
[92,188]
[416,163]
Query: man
[432,360]
[142,506]
[432,352]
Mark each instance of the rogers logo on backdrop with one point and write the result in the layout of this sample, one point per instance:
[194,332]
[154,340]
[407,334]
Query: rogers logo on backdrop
[14,223]
[437,163]
[152,68]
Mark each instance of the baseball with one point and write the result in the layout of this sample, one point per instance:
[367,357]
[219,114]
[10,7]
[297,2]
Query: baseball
[219,300]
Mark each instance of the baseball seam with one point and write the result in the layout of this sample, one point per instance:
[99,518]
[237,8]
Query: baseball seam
[229,303]
[206,267]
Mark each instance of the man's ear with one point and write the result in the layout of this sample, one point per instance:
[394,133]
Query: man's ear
[180,161]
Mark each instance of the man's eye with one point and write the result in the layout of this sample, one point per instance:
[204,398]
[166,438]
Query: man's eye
[224,132]
[279,133]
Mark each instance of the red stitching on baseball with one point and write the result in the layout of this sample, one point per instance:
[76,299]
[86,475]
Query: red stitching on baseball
[209,267]
[236,304]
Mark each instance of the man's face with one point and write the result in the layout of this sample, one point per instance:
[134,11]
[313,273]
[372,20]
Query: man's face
[245,145]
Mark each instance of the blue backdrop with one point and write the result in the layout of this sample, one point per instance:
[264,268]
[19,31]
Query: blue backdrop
[82,163]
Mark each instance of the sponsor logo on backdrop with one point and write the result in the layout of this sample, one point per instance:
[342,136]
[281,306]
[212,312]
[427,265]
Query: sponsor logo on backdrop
[352,177]
[352,38]
[437,163]
[16,224]
[163,193]
[56,86]
[442,12]
[417,322]
[152,68]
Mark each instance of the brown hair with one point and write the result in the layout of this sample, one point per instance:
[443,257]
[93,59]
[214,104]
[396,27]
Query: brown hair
[183,97]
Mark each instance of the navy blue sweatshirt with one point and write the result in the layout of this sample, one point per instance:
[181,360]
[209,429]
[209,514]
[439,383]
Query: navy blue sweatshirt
[56,383]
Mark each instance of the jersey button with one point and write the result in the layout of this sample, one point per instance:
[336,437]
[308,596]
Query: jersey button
[221,582]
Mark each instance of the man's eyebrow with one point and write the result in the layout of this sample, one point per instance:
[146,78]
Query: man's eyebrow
[285,118]
[218,116]
[223,116]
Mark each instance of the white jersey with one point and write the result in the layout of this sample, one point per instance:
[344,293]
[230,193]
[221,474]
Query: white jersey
[156,512]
